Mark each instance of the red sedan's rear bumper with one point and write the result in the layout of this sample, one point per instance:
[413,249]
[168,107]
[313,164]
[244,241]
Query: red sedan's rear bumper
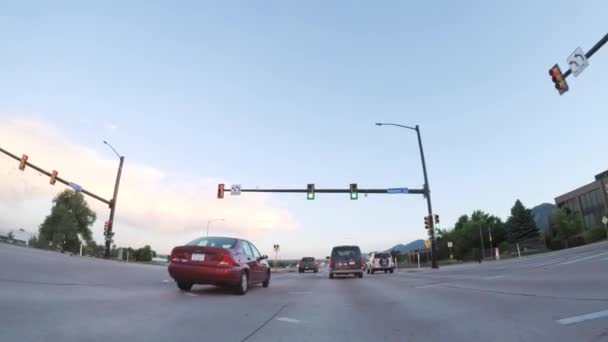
[205,275]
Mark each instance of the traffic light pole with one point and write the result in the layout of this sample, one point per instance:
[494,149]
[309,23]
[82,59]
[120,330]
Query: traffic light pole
[427,195]
[113,208]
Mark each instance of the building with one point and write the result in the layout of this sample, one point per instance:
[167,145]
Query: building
[590,200]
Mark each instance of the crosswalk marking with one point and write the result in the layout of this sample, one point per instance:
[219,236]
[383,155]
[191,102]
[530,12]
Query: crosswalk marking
[582,318]
[581,259]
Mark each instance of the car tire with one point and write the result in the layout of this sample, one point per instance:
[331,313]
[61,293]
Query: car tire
[360,275]
[243,285]
[316,271]
[184,286]
[331,275]
[266,283]
[385,271]
[392,270]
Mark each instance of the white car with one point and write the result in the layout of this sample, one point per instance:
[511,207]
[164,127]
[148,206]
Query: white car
[380,261]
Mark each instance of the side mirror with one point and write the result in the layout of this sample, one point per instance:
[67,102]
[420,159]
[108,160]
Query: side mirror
[263,257]
[327,258]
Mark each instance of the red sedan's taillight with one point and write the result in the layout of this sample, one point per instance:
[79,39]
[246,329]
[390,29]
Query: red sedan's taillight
[227,261]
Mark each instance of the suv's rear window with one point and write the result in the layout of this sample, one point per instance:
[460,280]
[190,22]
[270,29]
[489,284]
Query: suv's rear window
[218,242]
[346,253]
[381,255]
[308,259]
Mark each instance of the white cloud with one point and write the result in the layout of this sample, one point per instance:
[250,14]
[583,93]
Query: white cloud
[152,209]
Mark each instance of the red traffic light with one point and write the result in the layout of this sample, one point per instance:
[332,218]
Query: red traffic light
[106,226]
[220,191]
[558,79]
[23,162]
[53,177]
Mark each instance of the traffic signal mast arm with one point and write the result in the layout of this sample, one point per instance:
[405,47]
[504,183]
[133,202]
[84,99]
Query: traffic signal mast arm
[330,191]
[57,178]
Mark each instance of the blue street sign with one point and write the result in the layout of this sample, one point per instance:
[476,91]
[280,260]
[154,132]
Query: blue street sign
[397,191]
[75,186]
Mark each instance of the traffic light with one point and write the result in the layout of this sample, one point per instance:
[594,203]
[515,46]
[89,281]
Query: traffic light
[558,78]
[436,221]
[23,162]
[310,192]
[220,191]
[106,227]
[354,192]
[427,222]
[53,177]
[430,232]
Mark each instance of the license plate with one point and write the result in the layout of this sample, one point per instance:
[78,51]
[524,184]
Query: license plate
[198,257]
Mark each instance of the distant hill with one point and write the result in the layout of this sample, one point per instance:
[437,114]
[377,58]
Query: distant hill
[542,214]
[417,244]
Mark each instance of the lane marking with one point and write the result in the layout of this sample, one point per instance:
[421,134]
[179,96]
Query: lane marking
[299,293]
[166,281]
[582,318]
[288,320]
[190,294]
[553,261]
[494,277]
[581,259]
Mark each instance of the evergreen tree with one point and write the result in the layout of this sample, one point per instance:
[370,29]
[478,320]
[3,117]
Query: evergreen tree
[521,225]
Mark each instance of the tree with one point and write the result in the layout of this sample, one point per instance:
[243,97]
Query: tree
[143,254]
[70,216]
[566,224]
[521,225]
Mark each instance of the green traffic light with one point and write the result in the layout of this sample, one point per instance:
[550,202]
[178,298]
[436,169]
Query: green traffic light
[354,195]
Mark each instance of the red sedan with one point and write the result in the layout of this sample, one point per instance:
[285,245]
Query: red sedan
[219,261]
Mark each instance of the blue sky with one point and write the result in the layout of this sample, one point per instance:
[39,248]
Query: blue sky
[276,94]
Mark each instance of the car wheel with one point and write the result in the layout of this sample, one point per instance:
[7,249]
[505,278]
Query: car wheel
[385,271]
[392,270]
[243,284]
[316,271]
[266,283]
[331,275]
[360,275]
[184,286]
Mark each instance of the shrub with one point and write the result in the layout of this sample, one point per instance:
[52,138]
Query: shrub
[594,234]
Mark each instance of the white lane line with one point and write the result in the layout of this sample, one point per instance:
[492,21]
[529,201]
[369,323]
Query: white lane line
[299,293]
[553,261]
[582,318]
[494,277]
[190,294]
[166,281]
[581,259]
[288,320]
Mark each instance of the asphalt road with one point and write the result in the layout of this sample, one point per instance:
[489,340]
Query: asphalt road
[562,296]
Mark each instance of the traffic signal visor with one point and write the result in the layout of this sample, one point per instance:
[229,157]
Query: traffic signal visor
[23,162]
[220,191]
[53,177]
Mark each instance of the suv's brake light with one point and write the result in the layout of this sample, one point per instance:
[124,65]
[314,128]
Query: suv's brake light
[331,263]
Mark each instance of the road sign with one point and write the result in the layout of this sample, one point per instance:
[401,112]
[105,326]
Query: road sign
[235,190]
[397,191]
[577,61]
[605,220]
[450,244]
[75,186]
[427,243]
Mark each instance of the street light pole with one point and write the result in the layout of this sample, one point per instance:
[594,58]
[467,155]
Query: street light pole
[427,189]
[210,221]
[483,256]
[113,202]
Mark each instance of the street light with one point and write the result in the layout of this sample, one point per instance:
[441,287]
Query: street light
[27,244]
[427,188]
[113,201]
[211,221]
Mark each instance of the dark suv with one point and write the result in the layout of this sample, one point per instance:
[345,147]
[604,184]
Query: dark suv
[308,264]
[346,260]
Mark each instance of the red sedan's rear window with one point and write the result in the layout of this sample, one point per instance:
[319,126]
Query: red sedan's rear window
[218,242]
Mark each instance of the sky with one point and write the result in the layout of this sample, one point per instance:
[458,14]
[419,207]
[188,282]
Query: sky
[279,94]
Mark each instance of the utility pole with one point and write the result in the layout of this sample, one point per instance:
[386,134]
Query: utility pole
[490,235]
[427,195]
[110,232]
[483,256]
